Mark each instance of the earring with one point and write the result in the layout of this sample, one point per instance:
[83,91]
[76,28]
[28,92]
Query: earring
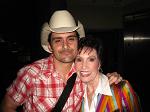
[101,70]
[51,50]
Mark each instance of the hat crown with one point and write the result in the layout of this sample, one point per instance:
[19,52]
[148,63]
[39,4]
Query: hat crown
[61,19]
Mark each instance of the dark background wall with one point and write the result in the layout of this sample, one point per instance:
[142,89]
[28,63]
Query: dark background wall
[20,24]
[137,54]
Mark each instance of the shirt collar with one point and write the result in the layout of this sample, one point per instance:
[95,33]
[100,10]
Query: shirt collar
[48,66]
[102,88]
[48,69]
[53,70]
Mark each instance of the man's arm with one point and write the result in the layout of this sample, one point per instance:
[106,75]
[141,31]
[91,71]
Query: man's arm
[114,78]
[8,105]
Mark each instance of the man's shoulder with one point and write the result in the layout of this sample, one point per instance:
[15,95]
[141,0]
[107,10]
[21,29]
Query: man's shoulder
[40,61]
[36,66]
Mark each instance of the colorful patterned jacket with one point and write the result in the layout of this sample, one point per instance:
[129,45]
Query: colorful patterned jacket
[124,99]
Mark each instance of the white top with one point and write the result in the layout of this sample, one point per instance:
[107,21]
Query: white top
[102,88]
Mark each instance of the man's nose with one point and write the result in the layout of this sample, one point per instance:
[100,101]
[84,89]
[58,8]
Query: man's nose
[65,44]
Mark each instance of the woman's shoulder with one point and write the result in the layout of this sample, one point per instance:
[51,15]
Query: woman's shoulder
[124,84]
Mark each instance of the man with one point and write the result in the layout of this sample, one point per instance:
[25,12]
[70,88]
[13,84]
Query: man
[39,85]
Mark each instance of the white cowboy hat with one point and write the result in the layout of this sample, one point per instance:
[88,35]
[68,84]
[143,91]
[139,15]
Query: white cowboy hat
[61,21]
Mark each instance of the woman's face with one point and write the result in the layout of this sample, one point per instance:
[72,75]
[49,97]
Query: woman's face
[87,65]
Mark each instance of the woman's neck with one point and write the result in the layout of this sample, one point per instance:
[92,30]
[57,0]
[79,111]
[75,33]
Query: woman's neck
[91,88]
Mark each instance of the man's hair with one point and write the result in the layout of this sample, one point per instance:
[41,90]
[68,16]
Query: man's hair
[49,37]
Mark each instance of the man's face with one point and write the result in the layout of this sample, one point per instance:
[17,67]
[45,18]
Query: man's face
[64,46]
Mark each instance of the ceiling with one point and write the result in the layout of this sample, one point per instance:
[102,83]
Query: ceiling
[94,14]
[102,2]
[106,14]
[127,6]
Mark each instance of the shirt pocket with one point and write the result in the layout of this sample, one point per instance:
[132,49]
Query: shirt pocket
[43,103]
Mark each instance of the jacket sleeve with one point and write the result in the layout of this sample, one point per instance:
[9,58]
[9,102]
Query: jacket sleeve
[130,99]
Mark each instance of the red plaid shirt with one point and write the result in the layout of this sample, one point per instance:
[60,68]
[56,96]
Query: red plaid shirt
[38,87]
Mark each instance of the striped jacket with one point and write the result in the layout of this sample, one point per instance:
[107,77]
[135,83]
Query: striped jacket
[123,99]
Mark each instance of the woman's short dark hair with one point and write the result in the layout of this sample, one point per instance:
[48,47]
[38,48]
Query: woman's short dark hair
[91,43]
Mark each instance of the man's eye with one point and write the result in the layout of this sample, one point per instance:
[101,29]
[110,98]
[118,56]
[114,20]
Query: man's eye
[57,41]
[71,38]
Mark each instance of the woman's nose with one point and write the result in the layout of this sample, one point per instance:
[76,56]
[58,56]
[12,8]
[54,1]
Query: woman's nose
[84,65]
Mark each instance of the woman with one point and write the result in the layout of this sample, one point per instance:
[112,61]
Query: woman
[99,96]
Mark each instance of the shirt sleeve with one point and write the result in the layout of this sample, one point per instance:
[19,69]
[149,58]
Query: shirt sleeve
[19,90]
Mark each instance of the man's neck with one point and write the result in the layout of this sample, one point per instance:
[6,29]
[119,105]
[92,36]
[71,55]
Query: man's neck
[63,69]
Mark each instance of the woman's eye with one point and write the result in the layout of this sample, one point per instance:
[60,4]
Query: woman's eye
[78,60]
[92,59]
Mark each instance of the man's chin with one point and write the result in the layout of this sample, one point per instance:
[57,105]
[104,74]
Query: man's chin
[68,60]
